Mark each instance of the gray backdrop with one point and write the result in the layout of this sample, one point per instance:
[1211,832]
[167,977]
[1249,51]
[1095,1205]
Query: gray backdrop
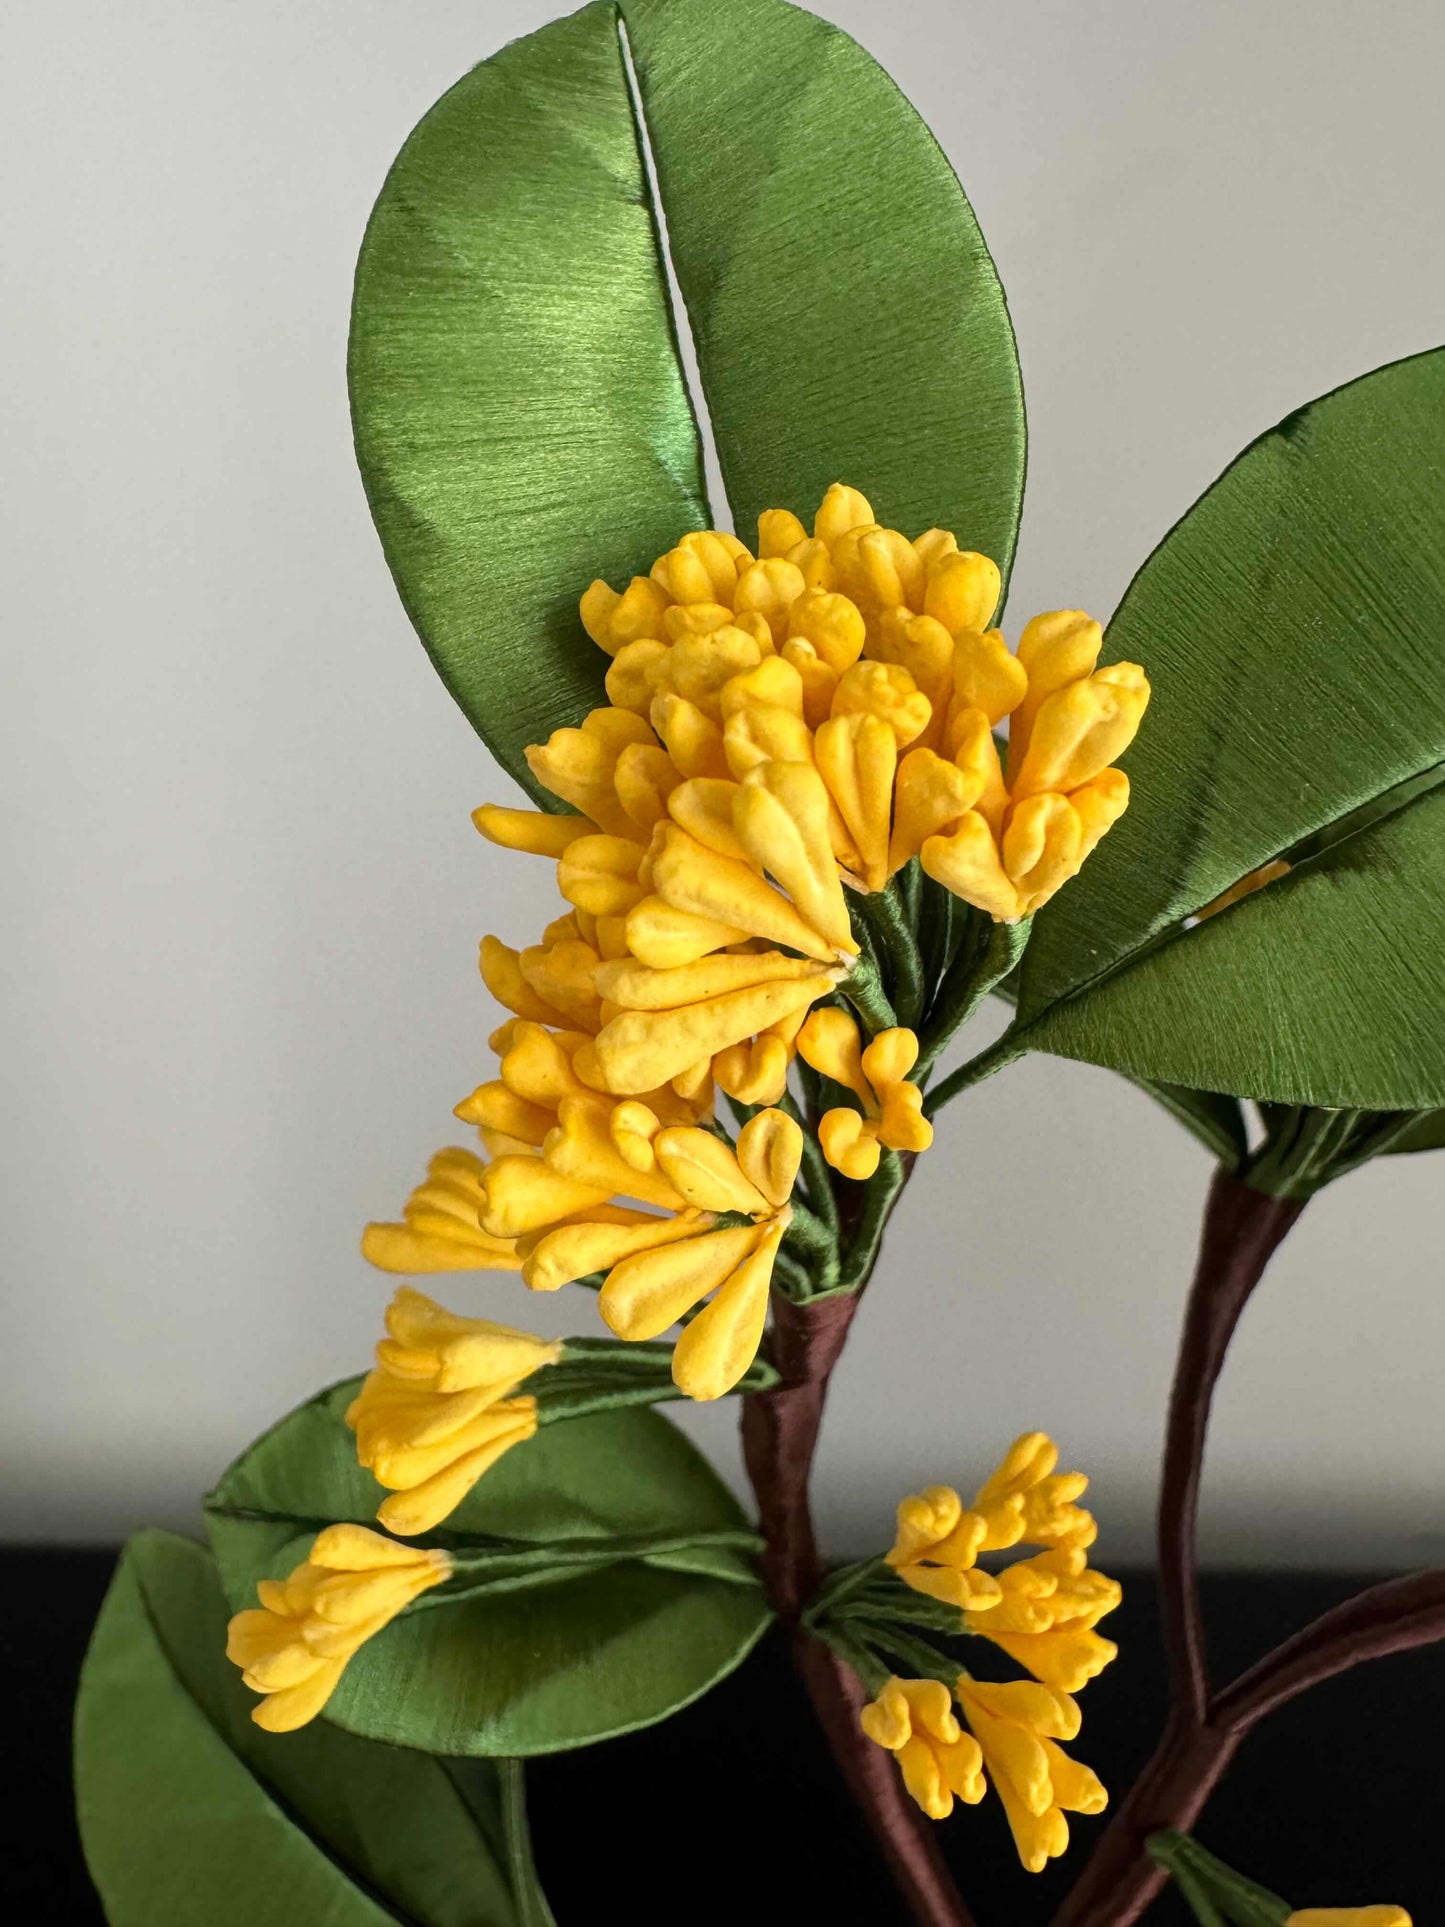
[239,982]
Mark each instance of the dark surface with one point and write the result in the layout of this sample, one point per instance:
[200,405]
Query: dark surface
[1333,1802]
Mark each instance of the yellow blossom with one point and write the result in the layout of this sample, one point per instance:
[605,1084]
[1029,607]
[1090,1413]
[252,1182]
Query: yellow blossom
[939,1541]
[784,728]
[659,1267]
[1045,1615]
[1027,832]
[441,1224]
[914,1720]
[892,1113]
[435,1414]
[1018,1725]
[1349,1917]
[294,1647]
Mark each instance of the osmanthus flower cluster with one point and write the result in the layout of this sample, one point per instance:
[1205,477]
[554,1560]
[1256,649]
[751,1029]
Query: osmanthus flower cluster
[1041,1610]
[786,732]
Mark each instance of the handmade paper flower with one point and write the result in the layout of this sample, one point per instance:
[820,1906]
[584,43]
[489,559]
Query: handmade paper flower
[294,1647]
[892,1112]
[436,1413]
[1023,834]
[1018,1725]
[785,729]
[914,1720]
[939,1539]
[441,1224]
[659,1268]
[1045,1614]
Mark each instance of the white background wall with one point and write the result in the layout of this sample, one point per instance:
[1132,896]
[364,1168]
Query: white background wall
[243,896]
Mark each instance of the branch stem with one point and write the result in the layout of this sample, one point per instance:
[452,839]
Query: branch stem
[780,1431]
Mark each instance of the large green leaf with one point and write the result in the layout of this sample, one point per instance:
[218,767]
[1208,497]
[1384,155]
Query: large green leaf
[608,1581]
[1293,625]
[522,421]
[190,1812]
[847,317]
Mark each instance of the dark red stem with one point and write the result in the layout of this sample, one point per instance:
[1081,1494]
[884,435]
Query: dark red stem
[780,1435]
[1242,1229]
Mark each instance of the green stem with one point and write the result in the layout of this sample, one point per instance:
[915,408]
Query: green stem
[882,912]
[863,987]
[1008,1050]
[880,1196]
[969,981]
[856,1655]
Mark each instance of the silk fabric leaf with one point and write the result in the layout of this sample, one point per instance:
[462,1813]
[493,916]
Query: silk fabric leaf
[541,1660]
[848,320]
[522,423]
[190,1812]
[1293,626]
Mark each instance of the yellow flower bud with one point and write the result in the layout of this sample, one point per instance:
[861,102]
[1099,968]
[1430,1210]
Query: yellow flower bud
[963,591]
[914,1719]
[884,690]
[645,1294]
[634,986]
[534,831]
[986,676]
[832,624]
[774,681]
[1080,729]
[967,862]
[770,589]
[930,796]
[295,1646]
[1056,649]
[557,1255]
[1017,1724]
[665,937]
[857,756]
[780,814]
[765,733]
[778,531]
[840,510]
[441,1224]
[699,666]
[769,1152]
[692,878]
[599,874]
[641,1049]
[1349,1917]
[722,1341]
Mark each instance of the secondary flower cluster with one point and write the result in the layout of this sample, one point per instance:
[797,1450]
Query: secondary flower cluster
[1041,1611]
[294,1647]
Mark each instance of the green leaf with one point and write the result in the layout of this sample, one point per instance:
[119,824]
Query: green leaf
[522,420]
[605,1580]
[848,321]
[190,1812]
[1293,626]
